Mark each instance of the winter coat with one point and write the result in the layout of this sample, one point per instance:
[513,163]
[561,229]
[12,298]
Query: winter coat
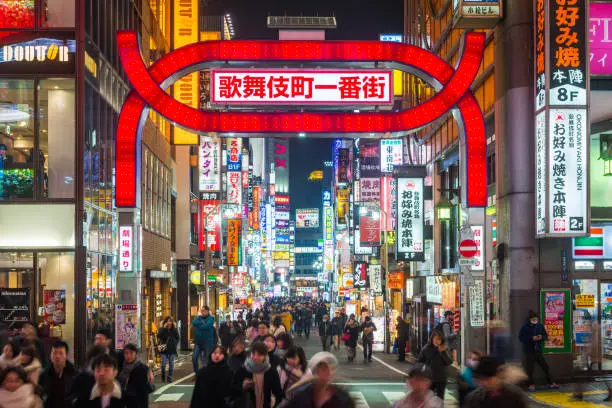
[271,387]
[337,325]
[353,332]
[403,329]
[510,396]
[235,361]
[450,337]
[288,376]
[56,390]
[287,319]
[213,387]
[95,399]
[437,361]
[137,388]
[225,333]
[205,330]
[531,346]
[23,397]
[169,337]
[302,396]
[325,329]
[368,335]
[431,401]
[82,385]
[33,370]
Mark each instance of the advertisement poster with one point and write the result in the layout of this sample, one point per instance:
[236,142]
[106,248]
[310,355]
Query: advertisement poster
[55,306]
[583,328]
[126,326]
[556,318]
[379,334]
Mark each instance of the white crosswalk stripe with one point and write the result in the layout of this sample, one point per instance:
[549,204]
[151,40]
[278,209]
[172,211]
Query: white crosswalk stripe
[360,401]
[169,397]
[393,396]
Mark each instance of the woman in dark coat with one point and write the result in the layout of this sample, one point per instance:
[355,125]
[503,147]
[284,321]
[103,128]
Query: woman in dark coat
[352,328]
[237,354]
[435,356]
[168,337]
[213,386]
[257,380]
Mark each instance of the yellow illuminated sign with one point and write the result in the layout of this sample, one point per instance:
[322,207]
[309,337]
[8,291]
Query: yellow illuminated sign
[187,89]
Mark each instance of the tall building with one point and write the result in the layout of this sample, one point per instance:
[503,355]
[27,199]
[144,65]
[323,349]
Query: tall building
[59,259]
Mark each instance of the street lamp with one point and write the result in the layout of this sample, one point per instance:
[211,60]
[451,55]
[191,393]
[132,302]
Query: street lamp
[444,208]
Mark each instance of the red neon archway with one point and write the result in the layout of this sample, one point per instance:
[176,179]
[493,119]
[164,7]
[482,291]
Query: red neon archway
[148,84]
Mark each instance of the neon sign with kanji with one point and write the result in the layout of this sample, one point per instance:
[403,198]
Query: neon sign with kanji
[326,87]
[149,82]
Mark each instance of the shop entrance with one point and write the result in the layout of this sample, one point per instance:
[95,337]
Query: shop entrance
[592,324]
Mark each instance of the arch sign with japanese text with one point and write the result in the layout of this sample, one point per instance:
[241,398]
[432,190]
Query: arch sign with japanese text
[327,82]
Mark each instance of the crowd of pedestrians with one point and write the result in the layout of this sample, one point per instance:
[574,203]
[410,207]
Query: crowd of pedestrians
[253,362]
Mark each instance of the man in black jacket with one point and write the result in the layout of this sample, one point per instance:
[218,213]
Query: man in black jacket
[402,337]
[106,393]
[57,379]
[135,379]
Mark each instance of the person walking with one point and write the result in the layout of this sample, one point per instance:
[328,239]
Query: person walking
[493,391]
[450,337]
[106,392]
[213,386]
[403,329]
[258,383]
[274,356]
[435,356]
[466,382]
[351,331]
[237,354]
[15,389]
[278,327]
[168,337]
[318,390]
[532,336]
[10,352]
[307,322]
[419,393]
[337,326]
[135,379]
[225,332]
[292,367]
[30,364]
[57,379]
[368,328]
[325,332]
[204,324]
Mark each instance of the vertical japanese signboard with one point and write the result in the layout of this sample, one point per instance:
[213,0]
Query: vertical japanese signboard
[344,166]
[600,36]
[187,89]
[556,318]
[369,159]
[209,164]
[369,229]
[234,229]
[281,165]
[561,120]
[360,275]
[234,187]
[410,221]
[126,248]
[209,231]
[375,274]
[234,154]
[477,313]
[391,154]
[328,246]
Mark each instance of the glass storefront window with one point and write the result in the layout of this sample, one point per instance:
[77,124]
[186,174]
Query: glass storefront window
[584,319]
[16,139]
[17,13]
[56,106]
[58,13]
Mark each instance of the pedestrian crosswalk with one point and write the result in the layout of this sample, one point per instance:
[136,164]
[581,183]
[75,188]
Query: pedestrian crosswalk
[368,398]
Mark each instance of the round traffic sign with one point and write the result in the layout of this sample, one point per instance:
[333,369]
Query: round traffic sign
[468,248]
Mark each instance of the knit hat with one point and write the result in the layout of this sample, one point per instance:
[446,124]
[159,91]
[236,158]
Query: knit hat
[322,357]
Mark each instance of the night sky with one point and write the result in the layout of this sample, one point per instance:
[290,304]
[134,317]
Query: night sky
[356,20]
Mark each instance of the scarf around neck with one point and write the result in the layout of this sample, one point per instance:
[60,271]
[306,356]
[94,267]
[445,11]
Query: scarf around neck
[257,368]
[126,372]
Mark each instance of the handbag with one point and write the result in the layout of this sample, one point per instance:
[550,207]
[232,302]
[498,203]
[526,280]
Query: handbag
[162,347]
[346,337]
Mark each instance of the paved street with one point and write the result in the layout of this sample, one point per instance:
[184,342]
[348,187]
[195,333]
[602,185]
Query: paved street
[374,385]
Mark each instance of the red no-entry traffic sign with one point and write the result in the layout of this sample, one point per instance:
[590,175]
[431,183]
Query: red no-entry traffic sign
[468,248]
